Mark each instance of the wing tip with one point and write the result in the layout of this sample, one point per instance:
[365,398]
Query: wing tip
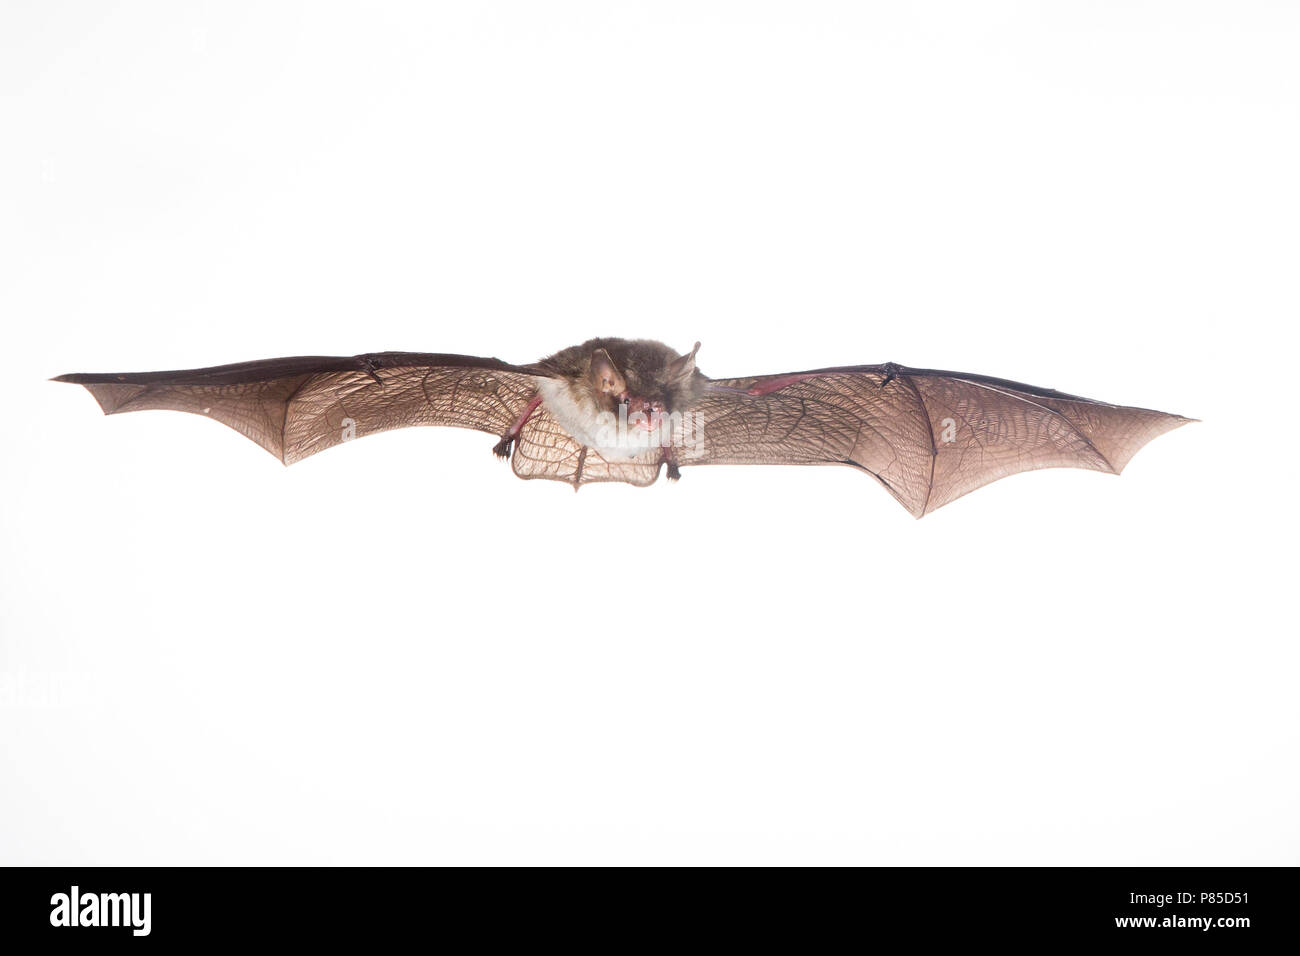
[1169,423]
[94,378]
[110,400]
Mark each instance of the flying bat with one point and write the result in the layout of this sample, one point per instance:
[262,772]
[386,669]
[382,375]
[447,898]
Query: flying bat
[625,410]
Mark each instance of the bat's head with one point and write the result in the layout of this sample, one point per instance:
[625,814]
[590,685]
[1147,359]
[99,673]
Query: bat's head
[647,377]
[642,384]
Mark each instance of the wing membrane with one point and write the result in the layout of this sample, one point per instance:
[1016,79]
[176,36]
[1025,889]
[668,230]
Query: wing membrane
[545,450]
[928,436]
[296,407]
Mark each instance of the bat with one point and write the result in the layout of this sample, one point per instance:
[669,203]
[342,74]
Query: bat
[625,410]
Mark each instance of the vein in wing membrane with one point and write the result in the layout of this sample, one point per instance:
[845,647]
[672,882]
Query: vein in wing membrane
[296,407]
[928,436]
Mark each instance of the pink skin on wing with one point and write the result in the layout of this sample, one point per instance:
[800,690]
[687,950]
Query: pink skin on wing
[776,383]
[780,381]
[523,418]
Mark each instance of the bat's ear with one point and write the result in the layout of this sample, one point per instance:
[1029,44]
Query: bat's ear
[684,367]
[605,376]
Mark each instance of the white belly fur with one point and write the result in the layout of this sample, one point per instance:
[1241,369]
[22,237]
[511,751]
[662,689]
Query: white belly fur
[579,416]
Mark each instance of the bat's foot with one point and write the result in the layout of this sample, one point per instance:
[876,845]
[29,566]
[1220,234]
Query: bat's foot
[502,449]
[669,457]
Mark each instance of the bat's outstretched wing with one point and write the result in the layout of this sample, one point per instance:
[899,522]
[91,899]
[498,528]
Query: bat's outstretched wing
[928,436]
[295,407]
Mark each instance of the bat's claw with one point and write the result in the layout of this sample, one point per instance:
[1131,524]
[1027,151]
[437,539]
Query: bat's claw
[891,370]
[502,448]
[368,367]
[674,473]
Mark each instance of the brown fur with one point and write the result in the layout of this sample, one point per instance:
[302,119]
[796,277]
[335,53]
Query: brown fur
[652,371]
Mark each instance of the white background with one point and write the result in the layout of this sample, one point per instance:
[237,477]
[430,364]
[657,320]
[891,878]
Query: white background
[397,652]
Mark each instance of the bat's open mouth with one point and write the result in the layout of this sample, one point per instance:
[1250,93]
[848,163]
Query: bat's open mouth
[643,413]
